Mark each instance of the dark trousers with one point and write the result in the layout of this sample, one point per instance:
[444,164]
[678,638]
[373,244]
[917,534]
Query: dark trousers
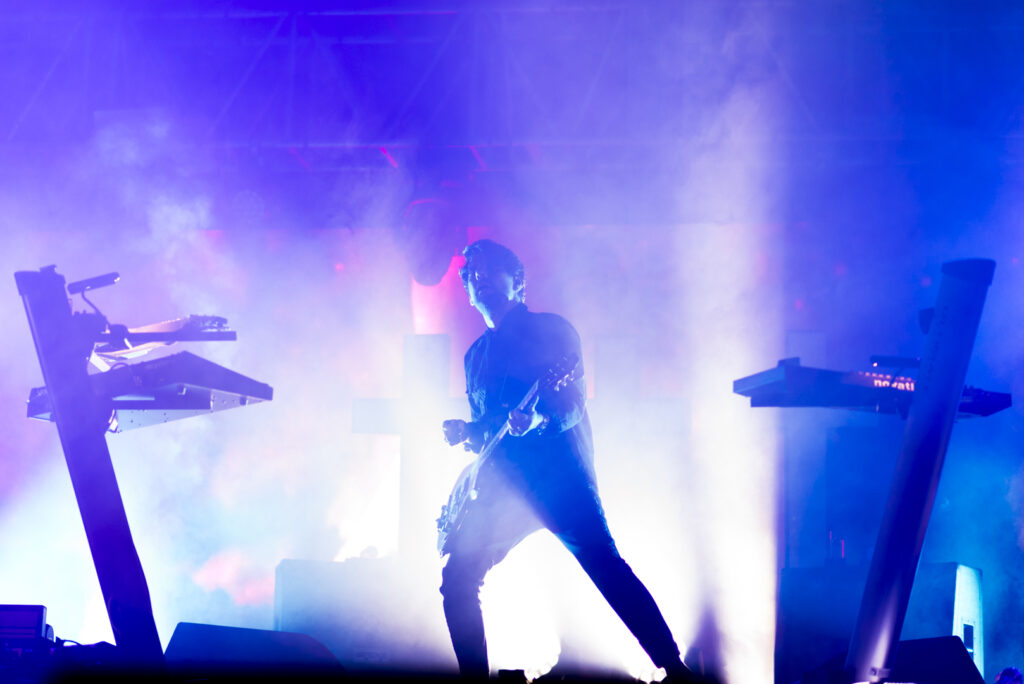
[506,513]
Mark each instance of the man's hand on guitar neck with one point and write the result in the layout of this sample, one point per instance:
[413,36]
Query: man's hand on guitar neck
[521,422]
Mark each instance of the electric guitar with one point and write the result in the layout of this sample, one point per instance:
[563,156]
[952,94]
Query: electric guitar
[465,491]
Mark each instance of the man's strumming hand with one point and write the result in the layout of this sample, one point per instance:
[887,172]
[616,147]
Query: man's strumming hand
[455,431]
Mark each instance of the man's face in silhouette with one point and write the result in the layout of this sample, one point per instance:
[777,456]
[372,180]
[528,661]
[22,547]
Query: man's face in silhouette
[491,288]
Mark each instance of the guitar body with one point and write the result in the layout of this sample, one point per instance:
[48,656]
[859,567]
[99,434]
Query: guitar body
[454,512]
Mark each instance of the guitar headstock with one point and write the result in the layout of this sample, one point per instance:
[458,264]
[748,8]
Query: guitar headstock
[566,370]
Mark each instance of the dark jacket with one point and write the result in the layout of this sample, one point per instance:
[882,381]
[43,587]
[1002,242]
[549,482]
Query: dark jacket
[500,368]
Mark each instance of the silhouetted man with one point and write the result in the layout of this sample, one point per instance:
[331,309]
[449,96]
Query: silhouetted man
[542,475]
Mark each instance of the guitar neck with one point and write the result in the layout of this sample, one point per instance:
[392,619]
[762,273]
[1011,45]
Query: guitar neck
[495,439]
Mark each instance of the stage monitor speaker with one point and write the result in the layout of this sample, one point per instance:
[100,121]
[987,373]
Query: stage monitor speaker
[198,648]
[940,660]
[818,608]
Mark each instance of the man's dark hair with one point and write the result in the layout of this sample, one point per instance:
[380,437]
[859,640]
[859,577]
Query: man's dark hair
[498,255]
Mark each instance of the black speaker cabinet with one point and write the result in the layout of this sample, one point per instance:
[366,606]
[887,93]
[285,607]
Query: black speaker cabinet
[939,660]
[818,607]
[197,648]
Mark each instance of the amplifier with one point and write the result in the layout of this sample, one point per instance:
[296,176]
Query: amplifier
[24,624]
